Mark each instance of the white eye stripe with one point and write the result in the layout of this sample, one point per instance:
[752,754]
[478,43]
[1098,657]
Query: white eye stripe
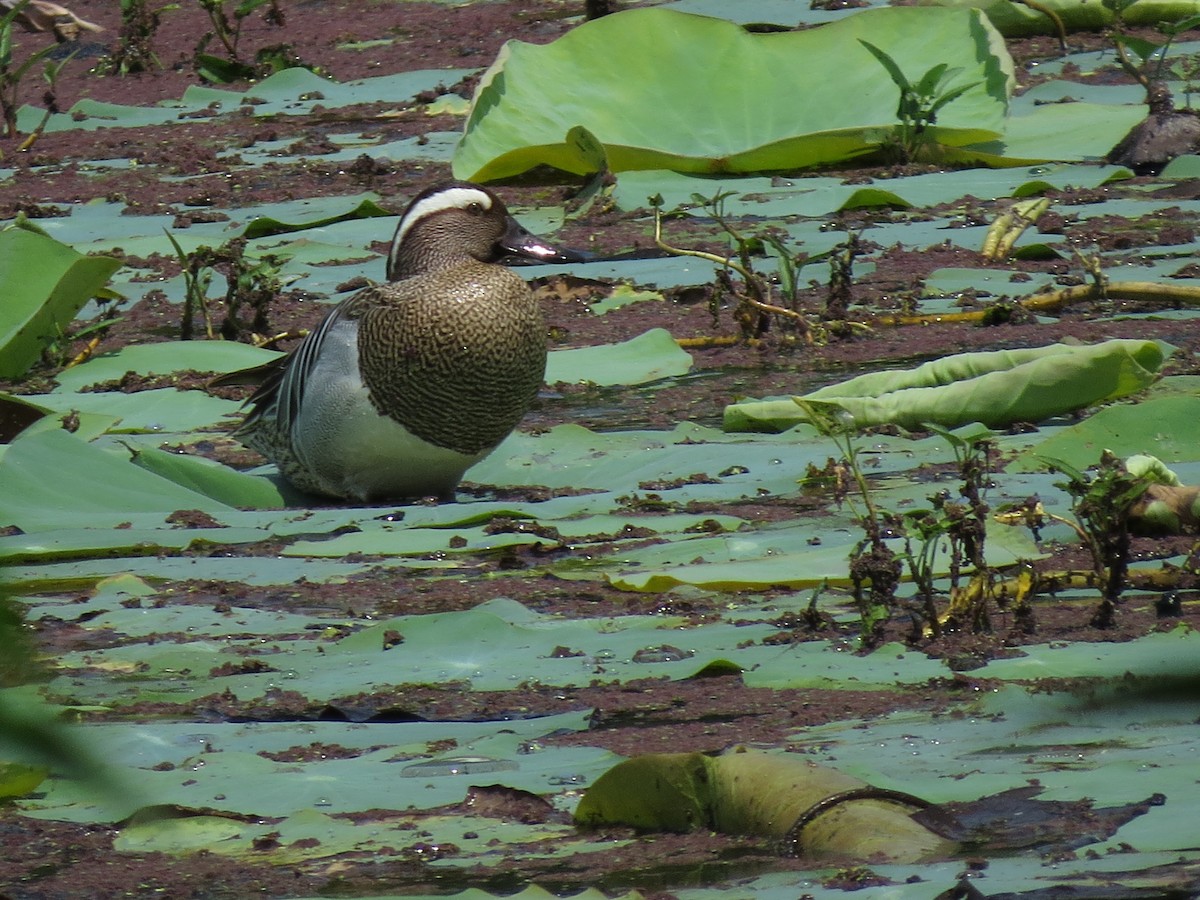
[451,198]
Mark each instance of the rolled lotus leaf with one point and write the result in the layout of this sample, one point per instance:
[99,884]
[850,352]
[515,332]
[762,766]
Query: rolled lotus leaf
[1014,19]
[655,792]
[1152,469]
[994,388]
[816,811]
[811,810]
[1167,509]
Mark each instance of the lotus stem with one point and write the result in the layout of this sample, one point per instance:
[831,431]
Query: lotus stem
[1055,300]
[1010,225]
[1054,17]
[752,281]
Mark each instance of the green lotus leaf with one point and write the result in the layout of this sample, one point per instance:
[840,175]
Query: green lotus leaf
[211,479]
[84,543]
[658,89]
[163,358]
[265,225]
[866,198]
[44,283]
[752,792]
[1072,132]
[47,475]
[293,91]
[18,779]
[157,412]
[647,357]
[1168,427]
[995,388]
[1018,20]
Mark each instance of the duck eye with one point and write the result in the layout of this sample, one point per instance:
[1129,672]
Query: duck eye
[475,209]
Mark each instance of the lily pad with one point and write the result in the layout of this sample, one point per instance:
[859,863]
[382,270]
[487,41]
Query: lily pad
[648,357]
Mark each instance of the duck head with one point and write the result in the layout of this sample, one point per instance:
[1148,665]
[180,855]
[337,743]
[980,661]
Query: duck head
[448,223]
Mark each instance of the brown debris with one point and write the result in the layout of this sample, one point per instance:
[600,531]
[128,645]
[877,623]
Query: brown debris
[40,16]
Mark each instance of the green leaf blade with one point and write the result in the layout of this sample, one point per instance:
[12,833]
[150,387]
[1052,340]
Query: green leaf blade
[44,283]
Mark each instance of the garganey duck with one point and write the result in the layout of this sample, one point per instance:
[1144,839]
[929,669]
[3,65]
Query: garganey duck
[407,384]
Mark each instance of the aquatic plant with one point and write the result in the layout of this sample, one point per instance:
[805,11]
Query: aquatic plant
[251,282]
[754,306]
[227,30]
[134,51]
[919,103]
[12,73]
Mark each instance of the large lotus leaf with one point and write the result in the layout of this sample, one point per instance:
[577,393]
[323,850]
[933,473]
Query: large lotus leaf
[820,196]
[226,766]
[264,226]
[1015,19]
[495,646]
[253,570]
[1168,427]
[80,543]
[51,477]
[995,388]
[1062,131]
[664,90]
[388,539]
[310,834]
[787,556]
[44,284]
[572,456]
[163,359]
[1099,744]
[787,13]
[157,412]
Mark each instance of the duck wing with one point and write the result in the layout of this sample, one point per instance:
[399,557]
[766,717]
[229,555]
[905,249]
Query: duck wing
[281,382]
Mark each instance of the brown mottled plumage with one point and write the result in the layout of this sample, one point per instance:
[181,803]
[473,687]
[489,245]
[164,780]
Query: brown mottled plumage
[406,384]
[474,372]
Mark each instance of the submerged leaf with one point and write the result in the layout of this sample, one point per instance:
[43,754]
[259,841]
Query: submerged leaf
[1014,820]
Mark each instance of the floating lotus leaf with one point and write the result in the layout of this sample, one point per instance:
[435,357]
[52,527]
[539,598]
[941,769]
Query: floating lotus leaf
[1168,427]
[48,475]
[647,357]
